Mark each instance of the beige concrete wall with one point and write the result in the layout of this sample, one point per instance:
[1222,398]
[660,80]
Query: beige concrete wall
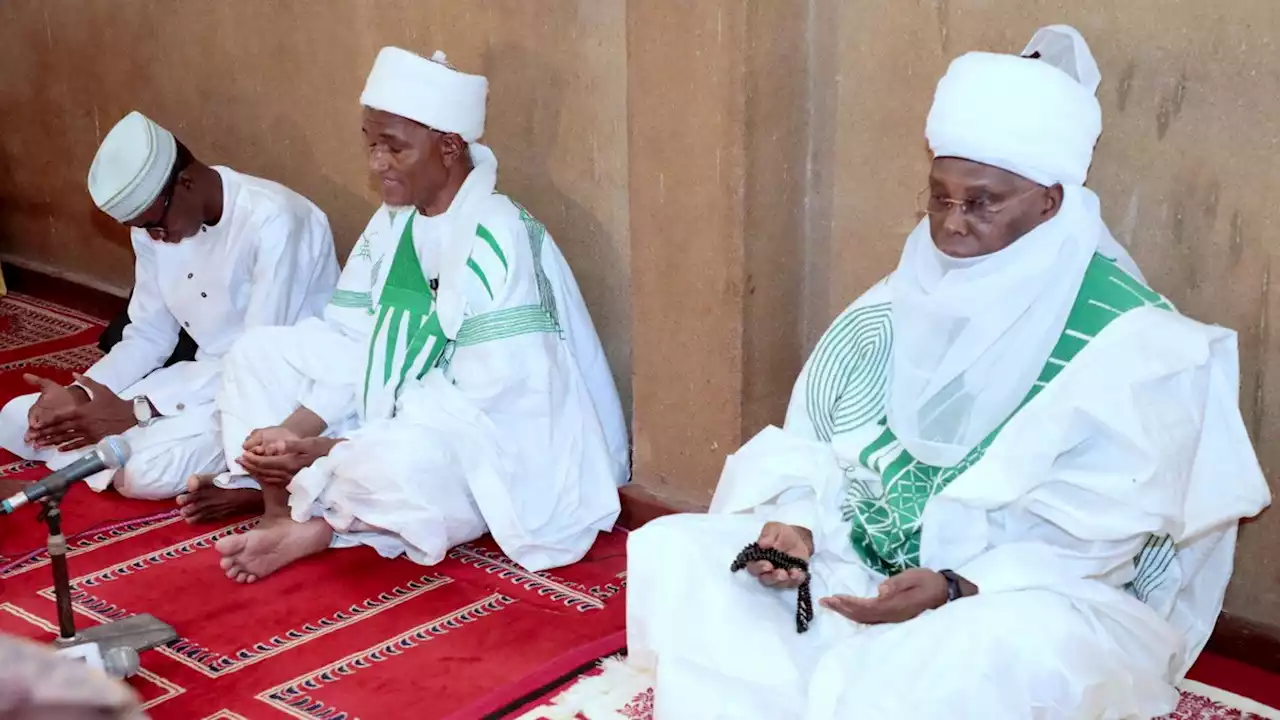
[725,176]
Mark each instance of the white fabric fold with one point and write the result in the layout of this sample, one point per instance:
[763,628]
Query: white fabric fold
[464,215]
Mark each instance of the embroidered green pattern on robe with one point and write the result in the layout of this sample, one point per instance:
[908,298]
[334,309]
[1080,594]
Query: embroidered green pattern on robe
[522,319]
[407,330]
[885,523]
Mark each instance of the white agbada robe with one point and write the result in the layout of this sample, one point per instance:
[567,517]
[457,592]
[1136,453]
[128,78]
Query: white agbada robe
[516,430]
[269,261]
[1096,512]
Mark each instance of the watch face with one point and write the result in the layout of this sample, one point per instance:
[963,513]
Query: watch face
[141,410]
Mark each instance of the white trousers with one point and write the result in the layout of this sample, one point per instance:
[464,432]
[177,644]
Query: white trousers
[269,373]
[388,487]
[723,646]
[393,487]
[162,456]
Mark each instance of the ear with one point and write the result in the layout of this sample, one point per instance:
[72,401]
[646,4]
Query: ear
[1052,201]
[184,179]
[453,149]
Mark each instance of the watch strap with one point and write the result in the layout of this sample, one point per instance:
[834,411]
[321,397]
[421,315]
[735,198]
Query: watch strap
[954,589]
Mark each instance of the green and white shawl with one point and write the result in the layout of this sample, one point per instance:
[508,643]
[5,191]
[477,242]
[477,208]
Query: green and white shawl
[846,394]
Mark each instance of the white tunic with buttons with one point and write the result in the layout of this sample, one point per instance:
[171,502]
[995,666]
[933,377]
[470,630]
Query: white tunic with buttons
[269,261]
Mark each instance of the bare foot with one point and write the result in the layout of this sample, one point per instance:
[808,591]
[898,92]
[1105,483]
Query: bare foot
[203,501]
[276,542]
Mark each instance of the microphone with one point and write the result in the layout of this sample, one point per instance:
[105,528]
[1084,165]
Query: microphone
[111,453]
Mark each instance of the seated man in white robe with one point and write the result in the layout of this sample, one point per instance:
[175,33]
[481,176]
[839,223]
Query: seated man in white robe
[1013,471]
[456,384]
[217,252]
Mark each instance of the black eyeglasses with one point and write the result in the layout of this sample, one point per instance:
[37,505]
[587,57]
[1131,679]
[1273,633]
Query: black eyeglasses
[167,195]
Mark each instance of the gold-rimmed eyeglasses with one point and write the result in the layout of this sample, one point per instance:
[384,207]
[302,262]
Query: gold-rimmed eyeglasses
[979,209]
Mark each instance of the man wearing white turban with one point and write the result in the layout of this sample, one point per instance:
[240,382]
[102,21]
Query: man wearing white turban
[217,252]
[1013,472]
[456,384]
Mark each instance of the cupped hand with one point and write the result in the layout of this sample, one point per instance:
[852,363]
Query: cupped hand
[898,599]
[790,539]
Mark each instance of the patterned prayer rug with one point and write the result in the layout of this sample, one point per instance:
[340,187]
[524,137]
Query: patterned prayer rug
[612,690]
[340,635]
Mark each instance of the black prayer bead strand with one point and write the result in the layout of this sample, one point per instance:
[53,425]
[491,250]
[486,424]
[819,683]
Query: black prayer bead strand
[782,561]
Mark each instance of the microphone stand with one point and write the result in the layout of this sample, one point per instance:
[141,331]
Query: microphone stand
[52,514]
[137,633]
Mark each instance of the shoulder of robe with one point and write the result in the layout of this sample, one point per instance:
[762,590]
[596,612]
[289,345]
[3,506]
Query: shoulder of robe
[500,217]
[500,252]
[876,297]
[1160,332]
[272,204]
[379,225]
[140,241]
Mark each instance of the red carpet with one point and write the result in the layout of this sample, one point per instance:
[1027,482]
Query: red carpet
[342,635]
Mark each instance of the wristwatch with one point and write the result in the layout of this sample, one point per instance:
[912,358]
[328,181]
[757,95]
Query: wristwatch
[143,412]
[954,591]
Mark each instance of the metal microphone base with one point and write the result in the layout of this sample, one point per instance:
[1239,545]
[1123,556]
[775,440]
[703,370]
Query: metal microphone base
[140,632]
[136,634]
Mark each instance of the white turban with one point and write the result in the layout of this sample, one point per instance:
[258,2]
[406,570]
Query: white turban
[429,92]
[1063,47]
[1029,117]
[132,166]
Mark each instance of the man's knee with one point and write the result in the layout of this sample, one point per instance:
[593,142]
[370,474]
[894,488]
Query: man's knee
[142,478]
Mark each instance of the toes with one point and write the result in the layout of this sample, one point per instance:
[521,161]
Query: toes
[231,545]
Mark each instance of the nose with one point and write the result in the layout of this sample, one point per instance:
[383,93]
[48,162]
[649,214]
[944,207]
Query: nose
[378,162]
[955,222]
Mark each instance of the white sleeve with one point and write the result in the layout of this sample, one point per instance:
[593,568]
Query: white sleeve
[350,308]
[189,383]
[1140,436]
[152,333]
[276,269]
[350,313]
[1051,556]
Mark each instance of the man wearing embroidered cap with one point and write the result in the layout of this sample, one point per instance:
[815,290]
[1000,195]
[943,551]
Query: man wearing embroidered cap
[1014,471]
[217,252]
[456,384]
